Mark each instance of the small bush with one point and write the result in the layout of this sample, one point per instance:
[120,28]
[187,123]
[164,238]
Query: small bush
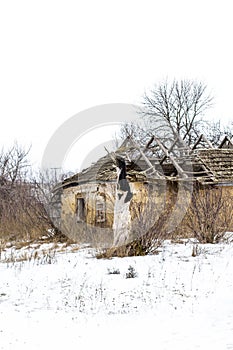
[131,272]
[113,271]
[210,214]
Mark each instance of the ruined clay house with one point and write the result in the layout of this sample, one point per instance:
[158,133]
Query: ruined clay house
[126,192]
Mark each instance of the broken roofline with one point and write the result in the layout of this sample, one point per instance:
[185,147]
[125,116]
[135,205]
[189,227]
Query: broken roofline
[104,170]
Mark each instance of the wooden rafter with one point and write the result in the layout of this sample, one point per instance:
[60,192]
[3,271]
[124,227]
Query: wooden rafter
[169,150]
[180,171]
[202,138]
[151,169]
[226,141]
[145,148]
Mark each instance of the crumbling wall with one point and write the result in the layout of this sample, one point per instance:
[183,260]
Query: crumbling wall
[148,204]
[88,230]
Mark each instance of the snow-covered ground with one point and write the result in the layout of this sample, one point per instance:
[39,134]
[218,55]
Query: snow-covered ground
[69,299]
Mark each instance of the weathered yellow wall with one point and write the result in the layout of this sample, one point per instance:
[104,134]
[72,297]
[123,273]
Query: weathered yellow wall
[152,205]
[148,204]
[90,192]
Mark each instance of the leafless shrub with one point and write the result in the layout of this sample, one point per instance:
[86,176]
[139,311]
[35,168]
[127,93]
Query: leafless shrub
[132,273]
[15,192]
[23,214]
[113,271]
[210,214]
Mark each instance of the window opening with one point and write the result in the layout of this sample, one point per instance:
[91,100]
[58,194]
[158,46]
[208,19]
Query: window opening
[100,210]
[80,209]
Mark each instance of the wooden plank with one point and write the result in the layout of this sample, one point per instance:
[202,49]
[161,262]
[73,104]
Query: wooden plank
[200,138]
[207,141]
[169,150]
[147,160]
[226,139]
[176,165]
[145,148]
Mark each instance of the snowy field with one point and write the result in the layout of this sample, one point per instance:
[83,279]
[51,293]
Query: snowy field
[54,298]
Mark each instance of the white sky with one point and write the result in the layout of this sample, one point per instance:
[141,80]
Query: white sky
[60,57]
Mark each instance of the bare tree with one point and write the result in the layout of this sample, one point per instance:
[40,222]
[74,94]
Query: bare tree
[170,110]
[25,199]
[50,199]
[14,190]
[216,131]
[180,103]
[13,164]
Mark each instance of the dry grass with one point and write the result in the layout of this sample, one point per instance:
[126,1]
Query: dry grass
[210,215]
[39,253]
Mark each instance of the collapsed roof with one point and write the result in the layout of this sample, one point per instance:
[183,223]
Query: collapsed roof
[157,160]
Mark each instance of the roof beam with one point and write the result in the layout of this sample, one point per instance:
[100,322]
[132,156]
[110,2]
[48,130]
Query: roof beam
[225,141]
[145,148]
[180,171]
[169,150]
[148,162]
[202,138]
